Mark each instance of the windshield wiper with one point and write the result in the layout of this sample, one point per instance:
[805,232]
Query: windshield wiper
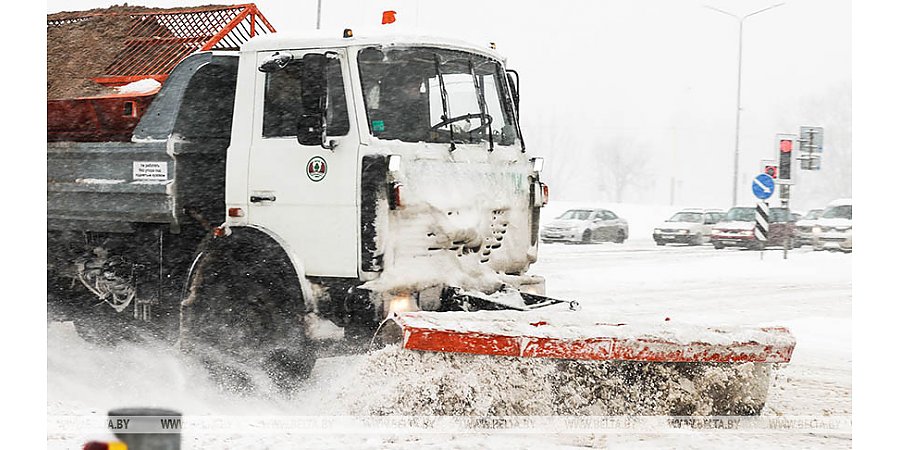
[482,107]
[444,103]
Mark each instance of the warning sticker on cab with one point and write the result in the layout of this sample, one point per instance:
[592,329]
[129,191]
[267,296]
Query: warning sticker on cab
[150,170]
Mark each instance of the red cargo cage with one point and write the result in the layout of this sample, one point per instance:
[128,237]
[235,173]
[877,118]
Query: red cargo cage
[155,43]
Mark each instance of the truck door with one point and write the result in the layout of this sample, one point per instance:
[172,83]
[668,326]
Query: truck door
[306,194]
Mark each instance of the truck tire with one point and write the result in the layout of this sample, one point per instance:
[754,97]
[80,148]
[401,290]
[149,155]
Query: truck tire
[242,313]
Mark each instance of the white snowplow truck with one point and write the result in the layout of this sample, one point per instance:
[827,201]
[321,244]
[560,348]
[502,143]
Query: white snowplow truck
[361,183]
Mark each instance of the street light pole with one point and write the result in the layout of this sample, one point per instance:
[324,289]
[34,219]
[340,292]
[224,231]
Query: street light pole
[318,14]
[737,121]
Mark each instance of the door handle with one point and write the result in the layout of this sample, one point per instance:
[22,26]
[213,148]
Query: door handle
[262,198]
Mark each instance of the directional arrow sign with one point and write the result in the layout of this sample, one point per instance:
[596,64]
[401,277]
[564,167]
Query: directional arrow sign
[763,186]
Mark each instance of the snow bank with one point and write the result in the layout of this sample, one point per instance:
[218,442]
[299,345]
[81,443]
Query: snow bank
[392,381]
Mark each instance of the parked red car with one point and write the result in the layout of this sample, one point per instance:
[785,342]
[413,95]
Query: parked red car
[736,229]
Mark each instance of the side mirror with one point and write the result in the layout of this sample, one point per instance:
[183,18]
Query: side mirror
[275,62]
[514,87]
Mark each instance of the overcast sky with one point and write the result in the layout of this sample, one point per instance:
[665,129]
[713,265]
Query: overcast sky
[660,73]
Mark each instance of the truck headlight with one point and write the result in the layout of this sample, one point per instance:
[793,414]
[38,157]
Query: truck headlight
[403,302]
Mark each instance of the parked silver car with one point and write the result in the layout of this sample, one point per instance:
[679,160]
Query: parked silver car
[688,226]
[586,226]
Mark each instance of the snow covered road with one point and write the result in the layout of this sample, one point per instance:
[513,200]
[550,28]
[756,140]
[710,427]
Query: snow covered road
[810,292]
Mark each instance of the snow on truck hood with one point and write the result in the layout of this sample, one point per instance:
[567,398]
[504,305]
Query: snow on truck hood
[449,232]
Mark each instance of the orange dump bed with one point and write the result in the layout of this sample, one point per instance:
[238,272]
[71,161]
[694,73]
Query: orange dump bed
[110,118]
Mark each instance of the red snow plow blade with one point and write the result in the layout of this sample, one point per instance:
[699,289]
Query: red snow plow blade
[567,335]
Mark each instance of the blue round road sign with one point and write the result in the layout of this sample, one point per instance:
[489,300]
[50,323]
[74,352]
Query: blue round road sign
[763,186]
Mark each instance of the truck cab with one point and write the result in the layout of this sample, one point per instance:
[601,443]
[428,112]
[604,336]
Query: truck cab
[395,161]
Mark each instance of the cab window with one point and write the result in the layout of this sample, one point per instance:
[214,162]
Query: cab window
[283,107]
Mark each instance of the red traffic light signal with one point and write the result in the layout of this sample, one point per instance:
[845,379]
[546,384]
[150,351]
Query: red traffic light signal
[786,146]
[771,171]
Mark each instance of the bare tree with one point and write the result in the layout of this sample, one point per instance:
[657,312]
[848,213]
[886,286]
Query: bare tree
[622,165]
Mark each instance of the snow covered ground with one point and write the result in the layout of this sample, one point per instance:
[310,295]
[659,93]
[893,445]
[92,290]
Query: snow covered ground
[810,293]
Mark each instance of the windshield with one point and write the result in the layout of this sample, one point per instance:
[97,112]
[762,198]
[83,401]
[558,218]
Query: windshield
[778,215]
[576,214]
[741,215]
[813,214]
[839,212]
[425,94]
[687,217]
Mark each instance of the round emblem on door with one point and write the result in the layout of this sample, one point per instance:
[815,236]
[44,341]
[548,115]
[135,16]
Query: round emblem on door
[316,168]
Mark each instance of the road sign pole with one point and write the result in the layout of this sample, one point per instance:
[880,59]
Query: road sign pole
[785,203]
[763,187]
[761,230]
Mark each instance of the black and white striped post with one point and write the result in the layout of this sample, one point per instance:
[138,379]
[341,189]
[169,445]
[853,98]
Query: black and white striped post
[763,188]
[761,230]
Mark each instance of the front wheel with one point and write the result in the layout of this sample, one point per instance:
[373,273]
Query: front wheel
[620,237]
[697,240]
[586,237]
[240,315]
[718,245]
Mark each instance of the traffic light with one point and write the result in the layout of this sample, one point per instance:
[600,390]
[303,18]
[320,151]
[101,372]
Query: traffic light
[771,170]
[785,150]
[786,145]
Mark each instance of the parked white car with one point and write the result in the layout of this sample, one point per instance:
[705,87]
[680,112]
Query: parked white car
[689,226]
[803,231]
[586,226]
[834,230]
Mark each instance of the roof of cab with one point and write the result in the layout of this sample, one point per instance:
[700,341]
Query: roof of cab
[332,39]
